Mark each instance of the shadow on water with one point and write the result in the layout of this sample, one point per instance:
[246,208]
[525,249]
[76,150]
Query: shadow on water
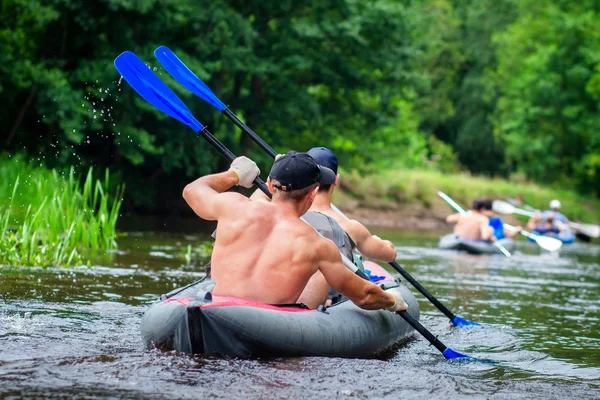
[75,333]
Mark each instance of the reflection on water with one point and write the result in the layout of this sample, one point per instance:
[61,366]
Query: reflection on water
[75,333]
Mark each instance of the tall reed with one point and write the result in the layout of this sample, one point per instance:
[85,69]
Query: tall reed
[51,219]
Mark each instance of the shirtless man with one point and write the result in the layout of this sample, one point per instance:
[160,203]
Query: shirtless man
[263,251]
[474,224]
[370,246]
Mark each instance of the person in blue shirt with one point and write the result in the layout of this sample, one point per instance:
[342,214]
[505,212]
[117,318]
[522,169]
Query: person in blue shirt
[498,226]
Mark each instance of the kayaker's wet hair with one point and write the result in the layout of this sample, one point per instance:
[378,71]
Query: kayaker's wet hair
[324,188]
[292,195]
[481,204]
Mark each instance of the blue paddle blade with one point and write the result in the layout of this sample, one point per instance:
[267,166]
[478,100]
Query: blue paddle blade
[153,90]
[451,354]
[458,321]
[182,74]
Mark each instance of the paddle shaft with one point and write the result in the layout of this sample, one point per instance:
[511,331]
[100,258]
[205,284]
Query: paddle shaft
[261,143]
[205,133]
[421,329]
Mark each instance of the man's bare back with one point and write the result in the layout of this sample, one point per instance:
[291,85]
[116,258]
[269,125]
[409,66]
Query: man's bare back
[475,223]
[469,226]
[263,253]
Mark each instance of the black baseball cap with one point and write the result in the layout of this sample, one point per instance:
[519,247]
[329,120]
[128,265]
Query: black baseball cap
[325,157]
[295,171]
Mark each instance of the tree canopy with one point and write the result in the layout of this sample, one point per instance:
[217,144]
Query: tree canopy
[494,87]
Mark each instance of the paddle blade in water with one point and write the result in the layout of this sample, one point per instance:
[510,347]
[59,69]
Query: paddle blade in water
[182,74]
[451,354]
[153,90]
[458,321]
[548,243]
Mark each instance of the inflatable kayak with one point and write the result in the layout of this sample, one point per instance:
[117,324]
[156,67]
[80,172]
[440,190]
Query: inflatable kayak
[193,321]
[567,236]
[453,242]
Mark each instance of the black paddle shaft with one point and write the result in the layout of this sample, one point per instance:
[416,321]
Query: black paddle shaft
[229,114]
[423,291]
[421,329]
[205,133]
[263,145]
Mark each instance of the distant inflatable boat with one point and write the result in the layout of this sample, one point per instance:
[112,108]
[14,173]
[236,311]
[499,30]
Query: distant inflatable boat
[567,236]
[453,242]
[193,321]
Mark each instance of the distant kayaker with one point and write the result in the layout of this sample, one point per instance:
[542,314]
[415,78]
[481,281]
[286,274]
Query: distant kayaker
[263,251]
[474,224]
[549,221]
[370,246]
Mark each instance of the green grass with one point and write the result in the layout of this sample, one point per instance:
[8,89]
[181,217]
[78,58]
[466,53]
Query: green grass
[392,187]
[49,219]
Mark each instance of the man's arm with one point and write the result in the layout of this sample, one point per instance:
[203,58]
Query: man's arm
[369,245]
[453,218]
[363,293]
[205,195]
[510,233]
[487,232]
[533,221]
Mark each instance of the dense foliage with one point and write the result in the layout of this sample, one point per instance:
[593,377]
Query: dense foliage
[48,218]
[493,86]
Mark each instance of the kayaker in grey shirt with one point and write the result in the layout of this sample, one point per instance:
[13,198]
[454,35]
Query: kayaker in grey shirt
[370,246]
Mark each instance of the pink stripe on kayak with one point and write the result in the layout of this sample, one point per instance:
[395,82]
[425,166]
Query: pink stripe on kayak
[182,300]
[378,270]
[229,301]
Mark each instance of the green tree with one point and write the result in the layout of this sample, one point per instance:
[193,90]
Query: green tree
[548,113]
[300,73]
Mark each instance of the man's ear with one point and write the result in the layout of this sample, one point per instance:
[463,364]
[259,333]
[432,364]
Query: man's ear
[313,194]
[337,180]
[270,185]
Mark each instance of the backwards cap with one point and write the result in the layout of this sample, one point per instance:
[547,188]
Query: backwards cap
[325,158]
[295,171]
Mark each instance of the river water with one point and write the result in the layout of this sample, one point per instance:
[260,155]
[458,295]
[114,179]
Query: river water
[74,333]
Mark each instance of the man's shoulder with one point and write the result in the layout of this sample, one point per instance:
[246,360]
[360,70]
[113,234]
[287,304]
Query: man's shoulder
[236,203]
[351,224]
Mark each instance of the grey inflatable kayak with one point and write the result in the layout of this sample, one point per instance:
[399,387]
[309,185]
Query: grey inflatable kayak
[453,242]
[194,321]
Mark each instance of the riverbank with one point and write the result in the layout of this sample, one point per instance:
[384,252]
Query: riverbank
[407,199]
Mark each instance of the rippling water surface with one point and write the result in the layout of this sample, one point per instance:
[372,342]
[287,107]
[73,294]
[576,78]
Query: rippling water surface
[75,333]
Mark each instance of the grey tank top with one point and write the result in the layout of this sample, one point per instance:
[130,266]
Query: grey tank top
[329,228]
